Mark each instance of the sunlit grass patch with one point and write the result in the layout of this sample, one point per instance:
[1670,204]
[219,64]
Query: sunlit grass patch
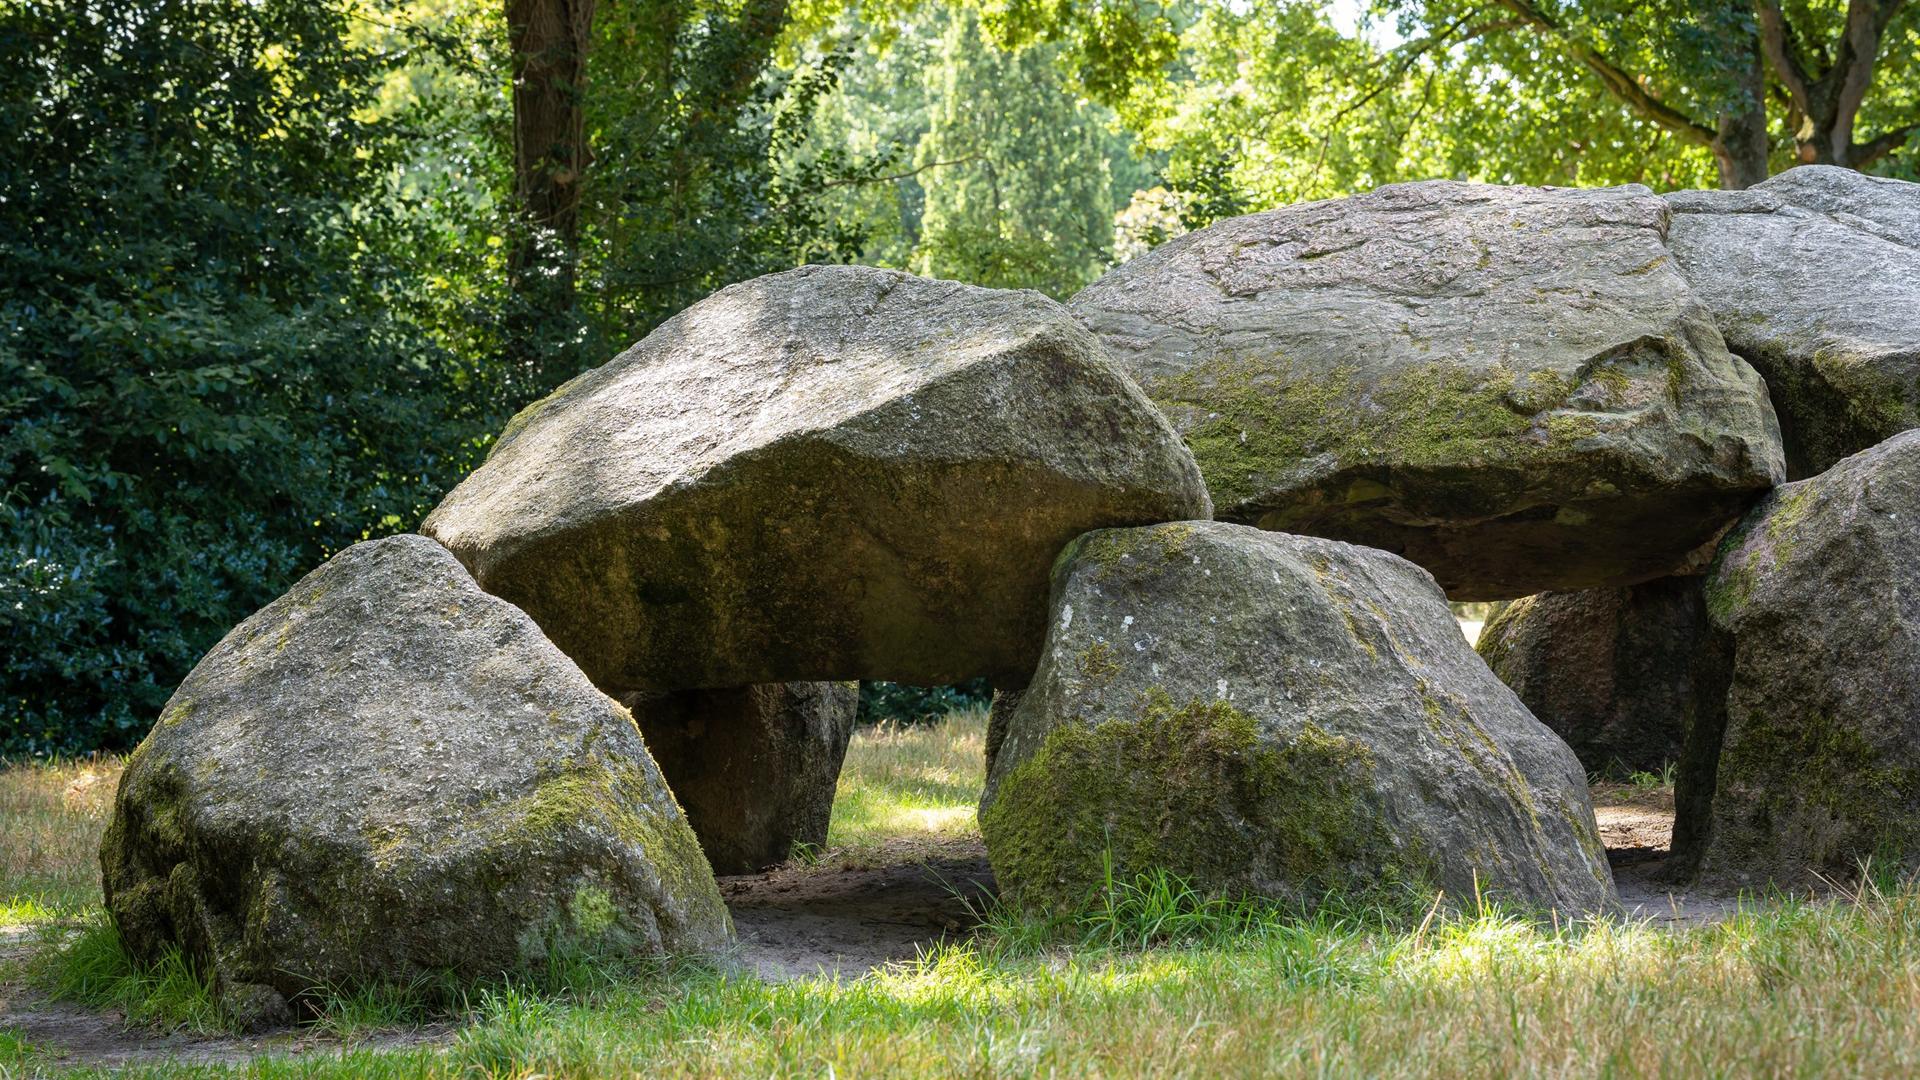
[1155,979]
[49,849]
[918,783]
[1486,995]
[16,1054]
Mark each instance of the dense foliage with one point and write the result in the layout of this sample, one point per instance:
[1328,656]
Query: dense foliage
[211,341]
[899,703]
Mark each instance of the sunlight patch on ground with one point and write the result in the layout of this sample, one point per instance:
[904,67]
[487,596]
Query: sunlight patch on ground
[903,782]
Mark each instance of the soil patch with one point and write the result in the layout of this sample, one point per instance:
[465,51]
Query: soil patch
[1636,825]
[847,918]
[72,1036]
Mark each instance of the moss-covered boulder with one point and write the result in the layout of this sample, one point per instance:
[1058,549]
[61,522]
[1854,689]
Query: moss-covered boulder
[1812,762]
[387,774]
[832,473]
[1814,278]
[1276,716]
[1511,387]
[1618,673]
[755,767]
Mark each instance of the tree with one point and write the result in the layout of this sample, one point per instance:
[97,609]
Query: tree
[703,171]
[1630,85]
[993,169]
[217,360]
[1022,197]
[1702,71]
[548,43]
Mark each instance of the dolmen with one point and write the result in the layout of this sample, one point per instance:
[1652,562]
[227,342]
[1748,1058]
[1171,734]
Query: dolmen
[619,657]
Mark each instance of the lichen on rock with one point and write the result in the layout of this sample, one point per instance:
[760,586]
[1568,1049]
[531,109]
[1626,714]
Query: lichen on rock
[836,472]
[1620,674]
[1814,277]
[1808,765]
[754,767]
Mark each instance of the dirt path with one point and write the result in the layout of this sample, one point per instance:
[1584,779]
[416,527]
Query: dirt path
[1636,824]
[795,922]
[71,1036]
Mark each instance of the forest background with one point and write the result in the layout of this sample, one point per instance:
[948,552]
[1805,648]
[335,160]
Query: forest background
[273,272]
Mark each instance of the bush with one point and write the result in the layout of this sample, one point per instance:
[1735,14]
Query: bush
[216,368]
[898,703]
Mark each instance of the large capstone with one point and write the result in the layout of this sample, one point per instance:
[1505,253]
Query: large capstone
[1277,716]
[832,473]
[1618,673]
[1814,278]
[1811,766]
[755,767]
[1511,387]
[386,775]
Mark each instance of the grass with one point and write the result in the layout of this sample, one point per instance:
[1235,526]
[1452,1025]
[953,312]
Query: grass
[91,968]
[907,791]
[49,848]
[1159,981]
[1653,781]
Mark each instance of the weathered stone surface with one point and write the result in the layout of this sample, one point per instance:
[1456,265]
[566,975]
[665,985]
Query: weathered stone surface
[388,773]
[1617,673]
[1813,762]
[1280,716]
[999,716]
[755,767]
[1509,386]
[832,473]
[1814,278]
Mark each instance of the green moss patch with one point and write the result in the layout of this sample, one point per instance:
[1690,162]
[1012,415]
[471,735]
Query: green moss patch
[1862,795]
[1200,791]
[1260,419]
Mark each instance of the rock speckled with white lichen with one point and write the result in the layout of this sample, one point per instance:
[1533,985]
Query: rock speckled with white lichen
[836,472]
[1814,278]
[1276,716]
[1810,765]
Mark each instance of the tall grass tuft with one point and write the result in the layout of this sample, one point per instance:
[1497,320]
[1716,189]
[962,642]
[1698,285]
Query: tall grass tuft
[93,968]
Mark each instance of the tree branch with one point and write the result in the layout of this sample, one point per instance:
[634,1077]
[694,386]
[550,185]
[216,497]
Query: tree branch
[1413,51]
[1871,151]
[1859,54]
[1619,82]
[1782,49]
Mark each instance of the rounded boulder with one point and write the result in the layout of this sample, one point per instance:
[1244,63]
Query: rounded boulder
[1277,716]
[387,774]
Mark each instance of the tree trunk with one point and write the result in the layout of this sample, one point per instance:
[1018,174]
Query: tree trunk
[1740,144]
[1823,104]
[549,41]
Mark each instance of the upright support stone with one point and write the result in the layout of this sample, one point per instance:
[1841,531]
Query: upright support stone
[1279,716]
[387,775]
[753,767]
[1809,766]
[1620,674]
